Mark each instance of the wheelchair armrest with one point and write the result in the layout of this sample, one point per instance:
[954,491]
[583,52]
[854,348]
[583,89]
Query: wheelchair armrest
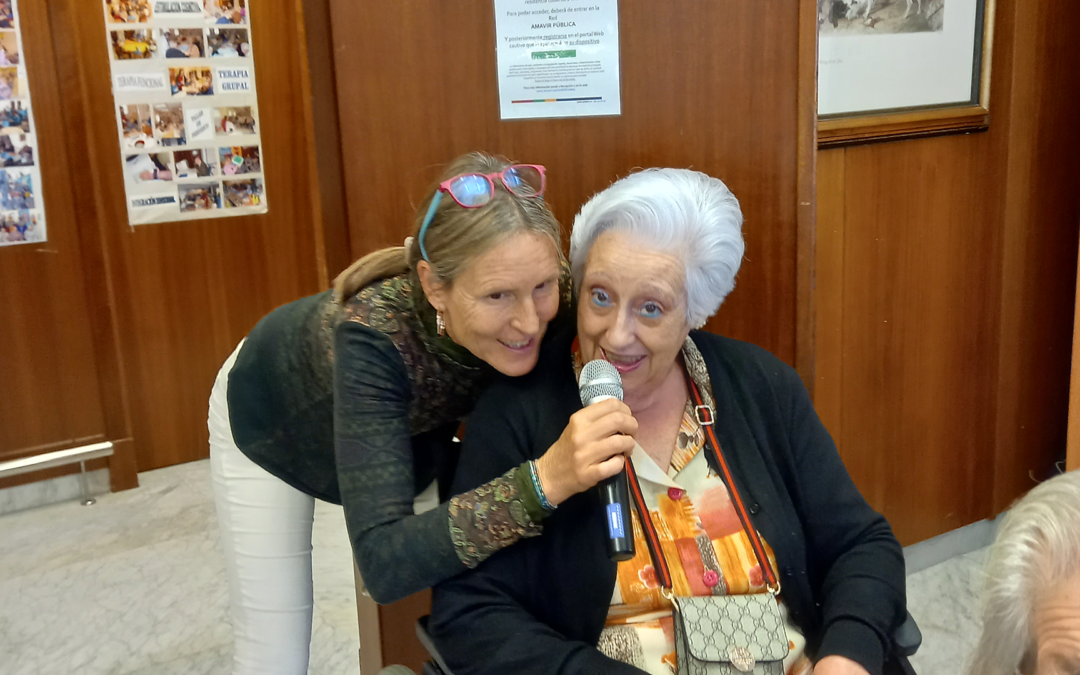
[907,638]
[429,645]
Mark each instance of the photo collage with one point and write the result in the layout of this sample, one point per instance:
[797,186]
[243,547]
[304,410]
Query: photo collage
[22,215]
[187,111]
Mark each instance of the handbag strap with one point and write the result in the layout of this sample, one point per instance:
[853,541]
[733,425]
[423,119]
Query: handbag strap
[705,416]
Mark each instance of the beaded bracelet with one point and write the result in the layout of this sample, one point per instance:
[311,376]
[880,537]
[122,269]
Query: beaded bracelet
[535,474]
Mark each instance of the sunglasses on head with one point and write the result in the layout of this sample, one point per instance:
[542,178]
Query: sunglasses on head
[473,190]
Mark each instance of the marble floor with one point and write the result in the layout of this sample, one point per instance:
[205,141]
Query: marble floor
[944,599]
[136,585]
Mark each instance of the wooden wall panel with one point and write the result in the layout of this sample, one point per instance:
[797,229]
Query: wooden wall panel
[919,338]
[696,93]
[829,291]
[1040,234]
[954,290]
[1073,438]
[185,293]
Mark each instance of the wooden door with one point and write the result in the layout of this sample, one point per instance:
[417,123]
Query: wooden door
[185,293]
[723,87]
[714,86]
[60,385]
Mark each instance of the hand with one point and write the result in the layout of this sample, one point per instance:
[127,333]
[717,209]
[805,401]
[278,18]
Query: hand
[591,448]
[838,665]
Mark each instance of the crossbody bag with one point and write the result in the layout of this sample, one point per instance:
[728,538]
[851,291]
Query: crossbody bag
[720,634]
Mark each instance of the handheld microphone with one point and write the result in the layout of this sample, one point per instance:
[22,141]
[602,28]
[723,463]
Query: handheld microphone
[600,381]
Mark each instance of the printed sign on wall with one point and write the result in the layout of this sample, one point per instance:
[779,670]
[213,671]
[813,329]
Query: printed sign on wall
[187,112]
[557,58]
[22,210]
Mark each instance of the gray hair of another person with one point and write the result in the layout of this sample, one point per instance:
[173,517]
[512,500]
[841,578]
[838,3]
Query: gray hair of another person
[685,212]
[1037,547]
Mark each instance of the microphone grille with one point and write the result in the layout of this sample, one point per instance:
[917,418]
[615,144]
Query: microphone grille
[599,379]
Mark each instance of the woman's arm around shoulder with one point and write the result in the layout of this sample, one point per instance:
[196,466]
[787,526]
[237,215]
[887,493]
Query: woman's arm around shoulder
[400,553]
[483,622]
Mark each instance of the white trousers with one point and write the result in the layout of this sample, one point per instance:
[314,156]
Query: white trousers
[266,532]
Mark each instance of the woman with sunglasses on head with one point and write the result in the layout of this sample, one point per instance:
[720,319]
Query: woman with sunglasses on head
[353,395]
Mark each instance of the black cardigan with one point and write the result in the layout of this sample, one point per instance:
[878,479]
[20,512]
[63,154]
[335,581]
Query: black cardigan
[539,606]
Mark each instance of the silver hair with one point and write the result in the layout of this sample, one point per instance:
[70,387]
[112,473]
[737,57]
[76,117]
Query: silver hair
[1037,547]
[686,212]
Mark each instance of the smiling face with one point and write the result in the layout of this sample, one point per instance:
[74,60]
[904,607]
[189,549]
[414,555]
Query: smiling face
[500,305]
[632,310]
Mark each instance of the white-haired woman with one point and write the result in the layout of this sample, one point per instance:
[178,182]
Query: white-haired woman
[653,257]
[1031,613]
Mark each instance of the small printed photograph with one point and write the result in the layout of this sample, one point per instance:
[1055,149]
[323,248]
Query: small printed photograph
[234,121]
[16,150]
[169,124]
[9,48]
[237,161]
[133,44]
[7,14]
[200,197]
[129,11]
[148,168]
[196,81]
[243,193]
[137,127]
[229,42]
[195,163]
[16,189]
[14,118]
[226,11]
[21,227]
[183,43]
[9,82]
[880,17]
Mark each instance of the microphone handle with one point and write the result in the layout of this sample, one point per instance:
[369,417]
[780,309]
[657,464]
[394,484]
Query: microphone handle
[615,494]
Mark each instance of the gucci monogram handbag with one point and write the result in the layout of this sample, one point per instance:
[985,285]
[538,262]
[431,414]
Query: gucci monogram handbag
[720,634]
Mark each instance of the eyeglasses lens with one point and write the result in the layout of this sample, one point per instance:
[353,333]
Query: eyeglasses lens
[471,190]
[523,180]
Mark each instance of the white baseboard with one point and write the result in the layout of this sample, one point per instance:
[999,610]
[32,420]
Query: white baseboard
[52,491]
[950,545]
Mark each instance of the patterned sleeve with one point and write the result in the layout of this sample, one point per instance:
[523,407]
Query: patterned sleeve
[494,516]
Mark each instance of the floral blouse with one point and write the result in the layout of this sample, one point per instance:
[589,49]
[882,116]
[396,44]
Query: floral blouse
[703,541]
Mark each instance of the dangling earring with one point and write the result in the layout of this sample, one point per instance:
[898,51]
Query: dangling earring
[440,325]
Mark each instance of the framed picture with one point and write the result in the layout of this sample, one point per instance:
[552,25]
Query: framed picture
[892,69]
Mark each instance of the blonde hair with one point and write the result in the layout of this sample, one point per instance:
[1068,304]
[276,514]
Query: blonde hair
[1037,548]
[456,235]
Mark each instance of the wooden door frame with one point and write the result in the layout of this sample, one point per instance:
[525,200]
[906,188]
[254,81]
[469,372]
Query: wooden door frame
[806,211]
[56,67]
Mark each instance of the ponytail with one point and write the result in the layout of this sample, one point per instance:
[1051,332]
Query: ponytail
[381,264]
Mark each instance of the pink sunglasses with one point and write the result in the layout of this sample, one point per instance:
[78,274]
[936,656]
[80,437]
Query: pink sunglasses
[473,190]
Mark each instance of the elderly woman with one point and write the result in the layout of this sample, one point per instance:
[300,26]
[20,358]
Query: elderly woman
[1031,616]
[653,257]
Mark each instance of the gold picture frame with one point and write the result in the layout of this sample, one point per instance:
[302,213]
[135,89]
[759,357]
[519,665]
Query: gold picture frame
[919,121]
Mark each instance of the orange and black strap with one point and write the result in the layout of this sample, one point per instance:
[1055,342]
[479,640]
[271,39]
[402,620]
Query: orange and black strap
[714,445]
[663,572]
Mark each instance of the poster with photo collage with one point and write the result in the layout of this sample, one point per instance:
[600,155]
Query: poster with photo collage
[187,113]
[22,211]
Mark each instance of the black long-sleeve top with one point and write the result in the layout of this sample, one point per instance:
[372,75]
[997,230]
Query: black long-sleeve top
[356,404]
[540,606]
